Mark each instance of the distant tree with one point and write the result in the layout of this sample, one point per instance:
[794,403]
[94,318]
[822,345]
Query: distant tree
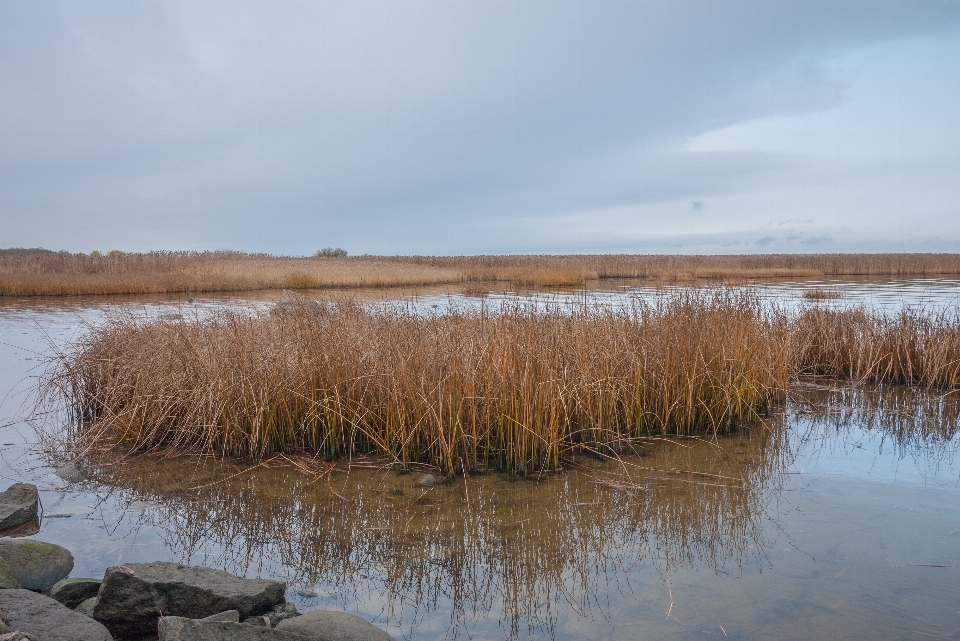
[95,253]
[331,252]
[25,251]
[114,253]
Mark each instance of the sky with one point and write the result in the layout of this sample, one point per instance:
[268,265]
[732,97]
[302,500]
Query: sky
[481,127]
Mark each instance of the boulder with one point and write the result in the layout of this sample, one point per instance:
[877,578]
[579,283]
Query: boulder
[29,528]
[132,597]
[328,625]
[18,505]
[427,480]
[44,619]
[14,636]
[73,592]
[86,608]
[274,616]
[8,579]
[70,473]
[230,616]
[37,565]
[183,629]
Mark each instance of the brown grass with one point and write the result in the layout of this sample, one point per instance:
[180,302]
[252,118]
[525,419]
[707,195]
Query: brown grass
[30,274]
[515,390]
[911,347]
[822,294]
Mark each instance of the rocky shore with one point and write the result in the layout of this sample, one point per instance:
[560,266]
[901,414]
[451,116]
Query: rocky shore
[39,600]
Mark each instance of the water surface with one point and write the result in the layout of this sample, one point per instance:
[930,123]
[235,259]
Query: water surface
[837,518]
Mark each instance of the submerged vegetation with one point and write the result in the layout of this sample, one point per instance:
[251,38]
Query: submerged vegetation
[40,272]
[519,388]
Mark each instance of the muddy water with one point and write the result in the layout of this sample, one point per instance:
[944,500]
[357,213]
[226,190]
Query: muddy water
[840,518]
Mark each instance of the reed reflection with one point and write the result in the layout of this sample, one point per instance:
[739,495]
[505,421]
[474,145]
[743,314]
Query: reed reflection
[912,421]
[494,547]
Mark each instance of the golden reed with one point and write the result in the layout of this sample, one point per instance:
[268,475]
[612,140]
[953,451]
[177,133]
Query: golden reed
[32,274]
[469,390]
[517,389]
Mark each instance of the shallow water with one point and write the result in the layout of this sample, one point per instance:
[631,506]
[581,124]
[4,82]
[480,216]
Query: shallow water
[838,519]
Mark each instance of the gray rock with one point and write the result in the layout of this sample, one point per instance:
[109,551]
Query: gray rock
[37,565]
[86,608]
[14,636]
[18,505]
[183,629]
[8,580]
[230,616]
[44,619]
[70,473]
[327,625]
[275,616]
[73,592]
[133,596]
[262,621]
[427,480]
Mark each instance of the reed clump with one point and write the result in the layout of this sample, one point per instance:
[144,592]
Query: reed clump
[912,347]
[467,391]
[822,294]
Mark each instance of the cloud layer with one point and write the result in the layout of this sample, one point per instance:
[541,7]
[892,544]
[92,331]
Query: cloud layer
[480,127]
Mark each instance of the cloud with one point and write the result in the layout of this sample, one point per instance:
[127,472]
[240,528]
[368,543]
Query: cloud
[442,127]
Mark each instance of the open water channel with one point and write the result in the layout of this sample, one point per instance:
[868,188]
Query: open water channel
[838,519]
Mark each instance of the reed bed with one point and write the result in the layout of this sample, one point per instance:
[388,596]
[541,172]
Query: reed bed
[913,348]
[36,273]
[518,389]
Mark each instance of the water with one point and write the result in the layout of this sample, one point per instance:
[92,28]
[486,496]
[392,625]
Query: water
[842,521]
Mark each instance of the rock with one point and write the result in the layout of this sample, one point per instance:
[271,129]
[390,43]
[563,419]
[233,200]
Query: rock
[230,616]
[14,636]
[8,580]
[4,628]
[86,608]
[307,593]
[427,480]
[73,592]
[133,596]
[328,625]
[37,565]
[275,616]
[29,528]
[44,619]
[183,629]
[70,473]
[18,505]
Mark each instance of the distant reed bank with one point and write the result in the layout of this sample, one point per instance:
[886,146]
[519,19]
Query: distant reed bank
[35,273]
[517,389]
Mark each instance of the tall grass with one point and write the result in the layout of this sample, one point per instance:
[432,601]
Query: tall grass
[911,347]
[30,273]
[517,389]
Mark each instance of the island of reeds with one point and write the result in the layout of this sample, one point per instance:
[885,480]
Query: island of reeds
[518,388]
[33,272]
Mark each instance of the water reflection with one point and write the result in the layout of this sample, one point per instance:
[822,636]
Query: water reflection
[517,550]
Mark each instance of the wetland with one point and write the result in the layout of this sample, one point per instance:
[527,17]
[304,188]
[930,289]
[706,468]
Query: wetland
[834,514]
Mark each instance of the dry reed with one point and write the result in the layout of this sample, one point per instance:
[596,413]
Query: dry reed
[822,294]
[61,273]
[517,390]
[911,347]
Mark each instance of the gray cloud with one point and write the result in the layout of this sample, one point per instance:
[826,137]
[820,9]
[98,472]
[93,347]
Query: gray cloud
[414,126]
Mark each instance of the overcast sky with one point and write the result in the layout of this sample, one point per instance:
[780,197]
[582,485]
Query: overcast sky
[481,127]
